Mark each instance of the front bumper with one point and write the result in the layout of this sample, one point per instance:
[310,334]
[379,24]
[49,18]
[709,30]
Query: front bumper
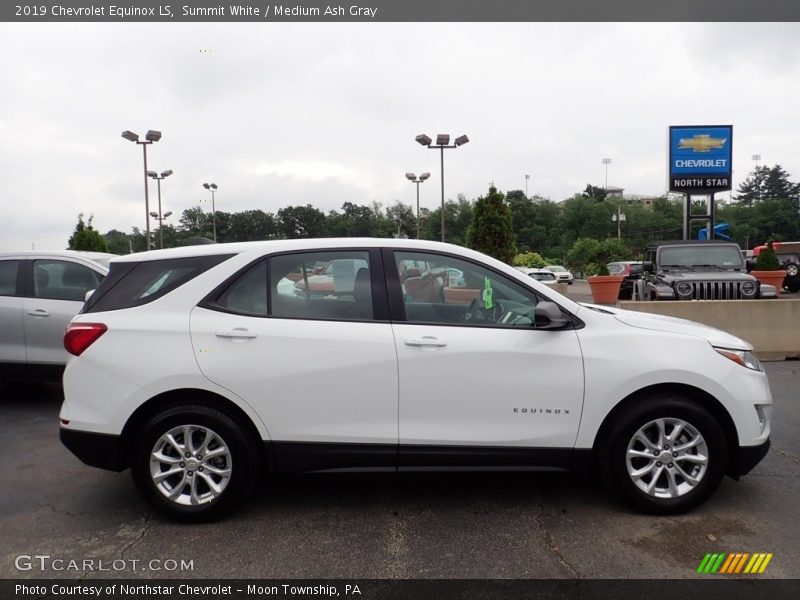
[99,450]
[746,458]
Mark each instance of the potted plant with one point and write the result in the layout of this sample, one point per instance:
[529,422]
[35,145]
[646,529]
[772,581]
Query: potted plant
[605,287]
[768,268]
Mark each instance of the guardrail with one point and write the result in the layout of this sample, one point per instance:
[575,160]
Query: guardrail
[772,326]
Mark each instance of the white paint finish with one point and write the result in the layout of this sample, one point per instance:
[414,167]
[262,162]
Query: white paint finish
[464,390]
[324,381]
[12,333]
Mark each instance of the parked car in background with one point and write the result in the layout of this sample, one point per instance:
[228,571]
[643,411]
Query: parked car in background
[505,373]
[631,270]
[562,274]
[541,275]
[789,256]
[40,292]
[697,270]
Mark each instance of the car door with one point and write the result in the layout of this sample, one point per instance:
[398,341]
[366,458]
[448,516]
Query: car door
[12,332]
[319,367]
[474,370]
[57,295]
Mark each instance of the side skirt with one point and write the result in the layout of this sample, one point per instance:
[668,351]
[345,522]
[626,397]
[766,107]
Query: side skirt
[308,457]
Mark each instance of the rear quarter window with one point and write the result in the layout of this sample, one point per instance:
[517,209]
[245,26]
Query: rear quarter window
[132,284]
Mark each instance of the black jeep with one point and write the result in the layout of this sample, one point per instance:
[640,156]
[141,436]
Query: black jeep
[697,270]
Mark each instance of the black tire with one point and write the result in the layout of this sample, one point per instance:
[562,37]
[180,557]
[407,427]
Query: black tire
[242,458]
[613,464]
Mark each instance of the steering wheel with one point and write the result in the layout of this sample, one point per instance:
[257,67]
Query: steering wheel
[476,313]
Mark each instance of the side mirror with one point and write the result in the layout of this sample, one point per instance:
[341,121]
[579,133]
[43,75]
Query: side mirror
[647,266]
[88,295]
[548,316]
[750,264]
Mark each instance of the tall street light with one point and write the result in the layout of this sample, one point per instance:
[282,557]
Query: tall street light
[527,177]
[150,137]
[442,142]
[158,215]
[414,179]
[213,188]
[606,162]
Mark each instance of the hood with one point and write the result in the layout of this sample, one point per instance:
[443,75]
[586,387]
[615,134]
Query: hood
[642,320]
[707,275]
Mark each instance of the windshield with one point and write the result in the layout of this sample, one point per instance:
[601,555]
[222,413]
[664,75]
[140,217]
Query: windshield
[723,256]
[556,268]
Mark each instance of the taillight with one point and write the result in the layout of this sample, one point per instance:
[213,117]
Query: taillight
[80,336]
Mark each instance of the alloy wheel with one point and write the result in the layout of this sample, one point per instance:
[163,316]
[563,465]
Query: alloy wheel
[190,465]
[667,458]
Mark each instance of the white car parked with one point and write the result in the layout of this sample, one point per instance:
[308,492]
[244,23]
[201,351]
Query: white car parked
[192,368]
[541,275]
[561,273]
[40,292]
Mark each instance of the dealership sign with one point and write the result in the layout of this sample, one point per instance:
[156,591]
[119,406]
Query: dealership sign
[700,158]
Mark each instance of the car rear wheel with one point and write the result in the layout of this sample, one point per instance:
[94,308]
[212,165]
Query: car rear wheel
[666,456]
[194,463]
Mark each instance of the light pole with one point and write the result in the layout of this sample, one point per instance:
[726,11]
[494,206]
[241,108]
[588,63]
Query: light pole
[150,137]
[756,158]
[159,215]
[442,142]
[527,177]
[213,188]
[414,179]
[606,162]
[619,218]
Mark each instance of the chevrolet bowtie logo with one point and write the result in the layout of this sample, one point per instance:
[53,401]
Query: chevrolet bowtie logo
[701,142]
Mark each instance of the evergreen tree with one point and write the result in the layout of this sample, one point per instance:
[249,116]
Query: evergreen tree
[490,230]
[86,238]
[768,183]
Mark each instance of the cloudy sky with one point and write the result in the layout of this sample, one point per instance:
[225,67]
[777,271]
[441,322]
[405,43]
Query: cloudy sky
[279,113]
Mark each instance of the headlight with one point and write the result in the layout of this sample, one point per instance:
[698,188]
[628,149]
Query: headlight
[683,289]
[746,358]
[749,288]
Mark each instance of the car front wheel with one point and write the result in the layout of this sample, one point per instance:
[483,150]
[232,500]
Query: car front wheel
[666,456]
[194,463]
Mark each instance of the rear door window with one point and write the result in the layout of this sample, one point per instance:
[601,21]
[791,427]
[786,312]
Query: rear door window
[63,280]
[9,270]
[132,284]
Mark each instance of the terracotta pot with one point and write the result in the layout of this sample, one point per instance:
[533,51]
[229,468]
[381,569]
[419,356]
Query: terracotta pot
[605,288]
[771,278]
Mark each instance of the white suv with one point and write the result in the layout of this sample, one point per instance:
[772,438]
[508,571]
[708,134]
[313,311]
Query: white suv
[191,368]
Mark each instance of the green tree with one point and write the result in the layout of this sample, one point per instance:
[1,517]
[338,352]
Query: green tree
[117,242]
[491,231]
[86,238]
[529,259]
[595,193]
[301,222]
[768,183]
[251,225]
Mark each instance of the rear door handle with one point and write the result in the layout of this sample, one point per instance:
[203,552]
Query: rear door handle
[426,341]
[39,312]
[235,333]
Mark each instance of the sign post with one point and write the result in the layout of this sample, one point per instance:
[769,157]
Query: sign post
[700,163]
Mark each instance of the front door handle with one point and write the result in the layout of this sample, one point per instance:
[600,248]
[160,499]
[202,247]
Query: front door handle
[38,312]
[236,333]
[426,341]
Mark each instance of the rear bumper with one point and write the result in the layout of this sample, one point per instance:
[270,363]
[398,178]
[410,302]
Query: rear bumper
[747,458]
[99,450]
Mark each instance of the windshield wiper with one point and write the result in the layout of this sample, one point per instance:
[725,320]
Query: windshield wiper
[675,267]
[715,266]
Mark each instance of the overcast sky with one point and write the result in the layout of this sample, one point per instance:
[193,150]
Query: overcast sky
[281,113]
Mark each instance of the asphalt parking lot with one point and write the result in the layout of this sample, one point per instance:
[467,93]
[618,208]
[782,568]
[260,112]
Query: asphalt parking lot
[462,525]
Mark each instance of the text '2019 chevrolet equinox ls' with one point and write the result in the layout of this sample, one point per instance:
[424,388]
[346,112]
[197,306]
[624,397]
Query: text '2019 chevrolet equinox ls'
[199,368]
